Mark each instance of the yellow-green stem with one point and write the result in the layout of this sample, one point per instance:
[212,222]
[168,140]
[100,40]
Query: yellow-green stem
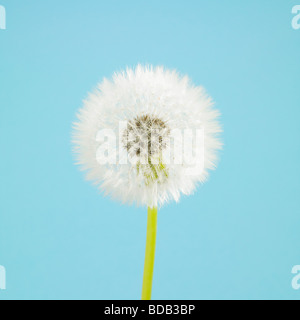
[150,253]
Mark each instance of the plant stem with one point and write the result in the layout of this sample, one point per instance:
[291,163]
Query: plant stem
[150,253]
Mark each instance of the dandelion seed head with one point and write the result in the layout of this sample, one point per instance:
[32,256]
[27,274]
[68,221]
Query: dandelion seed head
[154,105]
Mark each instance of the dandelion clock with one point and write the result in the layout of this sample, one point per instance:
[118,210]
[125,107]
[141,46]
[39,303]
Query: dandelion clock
[147,137]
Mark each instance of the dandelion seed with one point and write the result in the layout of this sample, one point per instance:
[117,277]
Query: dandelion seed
[147,163]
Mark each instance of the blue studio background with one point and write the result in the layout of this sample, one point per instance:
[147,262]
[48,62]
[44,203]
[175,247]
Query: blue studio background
[238,237]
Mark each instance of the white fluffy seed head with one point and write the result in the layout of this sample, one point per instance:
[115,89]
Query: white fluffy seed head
[136,136]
